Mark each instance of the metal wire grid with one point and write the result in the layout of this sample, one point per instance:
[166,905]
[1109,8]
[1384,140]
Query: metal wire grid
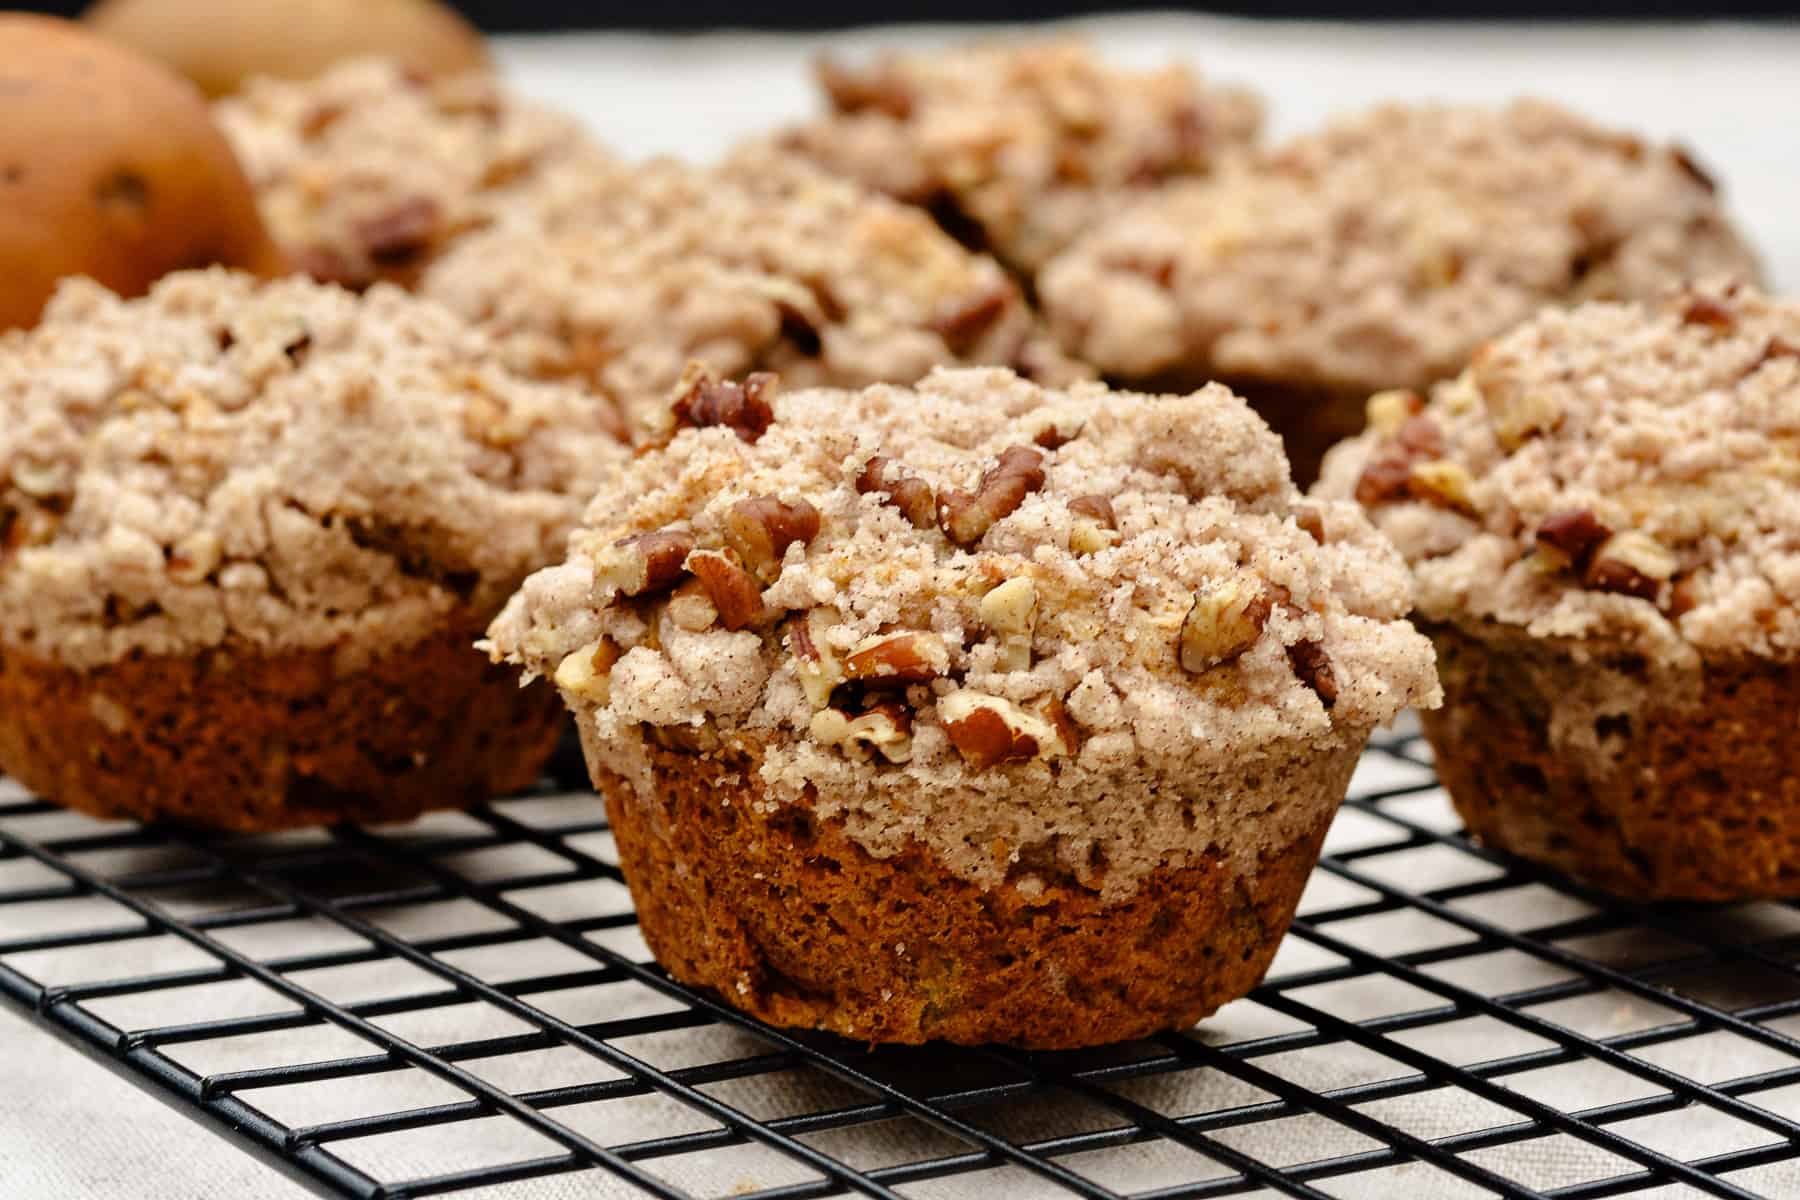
[1717,973]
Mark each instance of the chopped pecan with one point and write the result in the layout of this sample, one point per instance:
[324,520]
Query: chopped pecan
[742,408]
[587,672]
[761,529]
[1096,526]
[1442,482]
[1679,155]
[963,323]
[966,517]
[1388,473]
[853,91]
[885,729]
[734,592]
[1311,522]
[1631,563]
[814,660]
[690,608]
[1569,536]
[1387,411]
[1522,416]
[1010,610]
[1705,310]
[1312,666]
[908,493]
[1054,435]
[1223,622]
[898,659]
[401,232]
[991,729]
[647,562]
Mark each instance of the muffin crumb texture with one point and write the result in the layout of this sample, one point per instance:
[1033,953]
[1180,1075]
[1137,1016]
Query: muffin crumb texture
[763,263]
[1018,149]
[274,467]
[1046,634]
[1380,251]
[1615,472]
[371,170]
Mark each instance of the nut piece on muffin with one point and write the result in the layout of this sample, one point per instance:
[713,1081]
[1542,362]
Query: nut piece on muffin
[369,171]
[251,532]
[977,711]
[1603,518]
[1017,149]
[1379,253]
[761,264]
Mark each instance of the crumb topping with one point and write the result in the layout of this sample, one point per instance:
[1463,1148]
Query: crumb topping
[368,171]
[1022,146]
[283,466]
[1616,471]
[1379,252]
[915,603]
[763,264]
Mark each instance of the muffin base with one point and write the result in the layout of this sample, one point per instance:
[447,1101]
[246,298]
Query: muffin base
[237,739]
[787,918]
[1677,784]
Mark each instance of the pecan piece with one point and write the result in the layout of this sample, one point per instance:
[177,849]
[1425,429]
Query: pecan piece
[1096,526]
[647,562]
[401,232]
[898,659]
[816,664]
[1631,563]
[1311,521]
[1442,482]
[1680,156]
[1387,411]
[1010,610]
[742,408]
[587,672]
[1704,310]
[1223,622]
[908,493]
[991,729]
[1569,537]
[1312,666]
[761,529]
[885,729]
[963,323]
[966,517]
[690,608]
[1388,473]
[734,592]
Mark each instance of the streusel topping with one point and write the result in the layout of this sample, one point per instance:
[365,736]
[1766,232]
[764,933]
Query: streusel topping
[761,264]
[920,604]
[1381,251]
[280,466]
[1618,471]
[368,171]
[1022,146]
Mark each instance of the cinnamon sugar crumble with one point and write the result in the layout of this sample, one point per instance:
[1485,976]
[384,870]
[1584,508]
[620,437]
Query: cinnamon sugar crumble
[1633,473]
[369,171]
[280,466]
[760,264]
[1379,252]
[912,683]
[1030,145]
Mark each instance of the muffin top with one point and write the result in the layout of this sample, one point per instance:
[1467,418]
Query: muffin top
[933,596]
[1022,147]
[1381,251]
[761,264]
[366,172]
[1618,471]
[277,466]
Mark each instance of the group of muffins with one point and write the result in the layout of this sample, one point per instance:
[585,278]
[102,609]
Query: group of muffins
[908,508]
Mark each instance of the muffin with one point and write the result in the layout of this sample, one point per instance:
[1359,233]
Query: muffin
[1603,517]
[1379,253]
[1016,149]
[761,264]
[978,711]
[251,532]
[110,167]
[371,170]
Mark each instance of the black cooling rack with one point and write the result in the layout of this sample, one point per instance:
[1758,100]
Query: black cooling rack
[464,1004]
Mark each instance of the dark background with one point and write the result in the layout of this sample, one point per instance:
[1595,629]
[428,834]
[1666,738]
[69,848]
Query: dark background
[703,14]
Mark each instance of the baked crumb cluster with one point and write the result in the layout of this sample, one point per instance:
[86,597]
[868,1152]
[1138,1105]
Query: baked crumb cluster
[914,606]
[276,466]
[1382,250]
[1616,471]
[1021,147]
[368,171]
[763,263]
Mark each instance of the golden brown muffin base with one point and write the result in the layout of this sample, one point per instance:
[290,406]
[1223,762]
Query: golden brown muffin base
[242,740]
[790,920]
[1695,795]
